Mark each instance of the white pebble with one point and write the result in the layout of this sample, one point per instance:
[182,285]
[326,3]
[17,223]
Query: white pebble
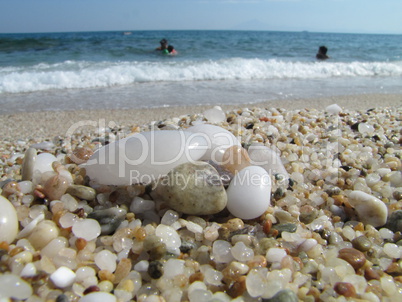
[215,115]
[333,109]
[141,266]
[88,229]
[275,254]
[63,277]
[369,208]
[392,250]
[12,286]
[141,205]
[169,237]
[106,260]
[388,285]
[44,162]
[68,220]
[169,217]
[8,221]
[29,270]
[194,227]
[386,233]
[241,252]
[98,296]
[213,277]
[221,251]
[249,193]
[173,267]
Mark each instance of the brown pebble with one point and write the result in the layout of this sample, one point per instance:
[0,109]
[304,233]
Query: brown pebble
[140,234]
[234,224]
[345,289]
[198,276]
[105,275]
[354,257]
[394,269]
[258,261]
[91,289]
[238,287]
[80,243]
[122,270]
[4,245]
[235,159]
[266,226]
[16,251]
[371,274]
[55,187]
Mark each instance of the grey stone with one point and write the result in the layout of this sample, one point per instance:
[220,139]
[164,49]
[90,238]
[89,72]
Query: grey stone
[28,164]
[82,192]
[109,219]
[193,188]
[285,295]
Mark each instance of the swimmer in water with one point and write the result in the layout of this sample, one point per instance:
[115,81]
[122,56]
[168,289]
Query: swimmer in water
[322,53]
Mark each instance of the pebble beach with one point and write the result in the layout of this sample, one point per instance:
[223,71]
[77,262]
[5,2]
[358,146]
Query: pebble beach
[332,230]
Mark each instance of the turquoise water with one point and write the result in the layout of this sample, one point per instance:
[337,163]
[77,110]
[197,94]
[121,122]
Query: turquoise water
[91,70]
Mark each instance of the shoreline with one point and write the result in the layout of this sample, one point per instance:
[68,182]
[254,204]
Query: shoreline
[47,124]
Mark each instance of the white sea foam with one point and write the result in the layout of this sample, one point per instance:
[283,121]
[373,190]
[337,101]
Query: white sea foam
[83,74]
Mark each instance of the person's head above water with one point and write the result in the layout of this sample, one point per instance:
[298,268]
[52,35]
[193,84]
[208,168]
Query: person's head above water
[164,43]
[322,53]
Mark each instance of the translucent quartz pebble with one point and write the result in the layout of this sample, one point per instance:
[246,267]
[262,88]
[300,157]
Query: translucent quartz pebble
[266,158]
[144,157]
[97,297]
[29,270]
[43,233]
[365,128]
[215,115]
[88,229]
[235,159]
[106,260]
[217,141]
[241,252]
[169,237]
[141,205]
[28,164]
[8,221]
[12,286]
[333,109]
[369,208]
[63,277]
[173,267]
[44,162]
[221,251]
[275,254]
[193,188]
[249,193]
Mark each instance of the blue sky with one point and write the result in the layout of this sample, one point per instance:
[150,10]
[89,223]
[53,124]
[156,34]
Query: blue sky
[347,16]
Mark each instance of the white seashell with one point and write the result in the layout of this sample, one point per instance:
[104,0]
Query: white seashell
[266,158]
[44,162]
[144,157]
[369,208]
[249,193]
[8,221]
[218,140]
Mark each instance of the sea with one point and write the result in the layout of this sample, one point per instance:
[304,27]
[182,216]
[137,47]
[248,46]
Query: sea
[122,70]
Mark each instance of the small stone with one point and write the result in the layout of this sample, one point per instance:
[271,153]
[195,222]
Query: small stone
[285,227]
[82,192]
[12,286]
[345,289]
[55,187]
[109,219]
[235,159]
[28,164]
[354,257]
[249,193]
[394,222]
[44,161]
[215,115]
[88,229]
[8,221]
[63,277]
[285,295]
[361,243]
[81,155]
[106,260]
[193,188]
[333,109]
[44,232]
[370,209]
[155,269]
[98,296]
